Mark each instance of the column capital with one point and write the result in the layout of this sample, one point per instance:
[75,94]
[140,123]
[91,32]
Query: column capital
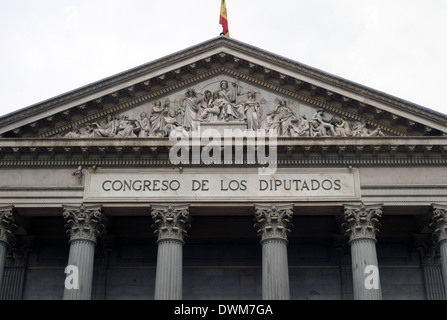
[273,220]
[19,250]
[7,224]
[427,249]
[362,221]
[171,221]
[83,222]
[439,222]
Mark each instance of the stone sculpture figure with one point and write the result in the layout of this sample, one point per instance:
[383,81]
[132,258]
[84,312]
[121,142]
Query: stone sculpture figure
[207,97]
[252,110]
[299,127]
[75,133]
[191,108]
[212,112]
[108,130]
[360,130]
[326,128]
[143,125]
[342,127]
[126,128]
[279,119]
[157,119]
[219,106]
[230,109]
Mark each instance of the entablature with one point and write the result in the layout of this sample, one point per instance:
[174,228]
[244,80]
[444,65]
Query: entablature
[289,152]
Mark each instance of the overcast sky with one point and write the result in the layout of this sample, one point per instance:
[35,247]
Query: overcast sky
[50,47]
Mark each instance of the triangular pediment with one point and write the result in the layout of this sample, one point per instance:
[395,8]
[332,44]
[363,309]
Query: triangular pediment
[274,81]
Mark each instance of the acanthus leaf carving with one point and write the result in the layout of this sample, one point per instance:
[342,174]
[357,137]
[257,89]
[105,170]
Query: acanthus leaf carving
[83,222]
[362,221]
[273,221]
[7,224]
[171,221]
[439,223]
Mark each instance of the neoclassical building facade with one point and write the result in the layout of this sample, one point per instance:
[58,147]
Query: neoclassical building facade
[225,172]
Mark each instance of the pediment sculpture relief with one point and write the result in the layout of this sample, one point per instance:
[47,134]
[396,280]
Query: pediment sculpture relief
[223,105]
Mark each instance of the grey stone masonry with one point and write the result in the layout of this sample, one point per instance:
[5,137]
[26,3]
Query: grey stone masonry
[431,265]
[7,228]
[84,225]
[361,222]
[439,226]
[15,268]
[170,223]
[273,224]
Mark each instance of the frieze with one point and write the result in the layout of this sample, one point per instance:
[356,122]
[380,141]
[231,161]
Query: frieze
[229,102]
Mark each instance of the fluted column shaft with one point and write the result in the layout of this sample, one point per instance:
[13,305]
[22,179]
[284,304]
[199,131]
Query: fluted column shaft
[439,227]
[431,266]
[361,224]
[3,251]
[443,252]
[434,284]
[169,273]
[273,223]
[275,270]
[363,253]
[84,225]
[7,229]
[82,254]
[170,223]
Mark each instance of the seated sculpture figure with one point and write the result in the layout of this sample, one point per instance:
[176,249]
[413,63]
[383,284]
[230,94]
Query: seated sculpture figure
[360,130]
[299,127]
[321,126]
[231,110]
[214,108]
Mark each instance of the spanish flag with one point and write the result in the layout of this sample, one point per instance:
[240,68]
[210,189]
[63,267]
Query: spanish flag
[223,20]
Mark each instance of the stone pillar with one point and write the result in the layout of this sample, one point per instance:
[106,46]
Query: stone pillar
[170,223]
[15,267]
[341,245]
[84,225]
[439,227]
[103,248]
[273,224]
[431,266]
[361,222]
[7,229]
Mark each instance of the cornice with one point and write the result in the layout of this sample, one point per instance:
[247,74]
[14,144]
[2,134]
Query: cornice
[154,152]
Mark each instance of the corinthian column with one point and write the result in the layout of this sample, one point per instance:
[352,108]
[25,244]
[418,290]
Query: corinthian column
[7,228]
[84,225]
[431,265]
[273,224]
[361,224]
[170,223]
[439,226]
